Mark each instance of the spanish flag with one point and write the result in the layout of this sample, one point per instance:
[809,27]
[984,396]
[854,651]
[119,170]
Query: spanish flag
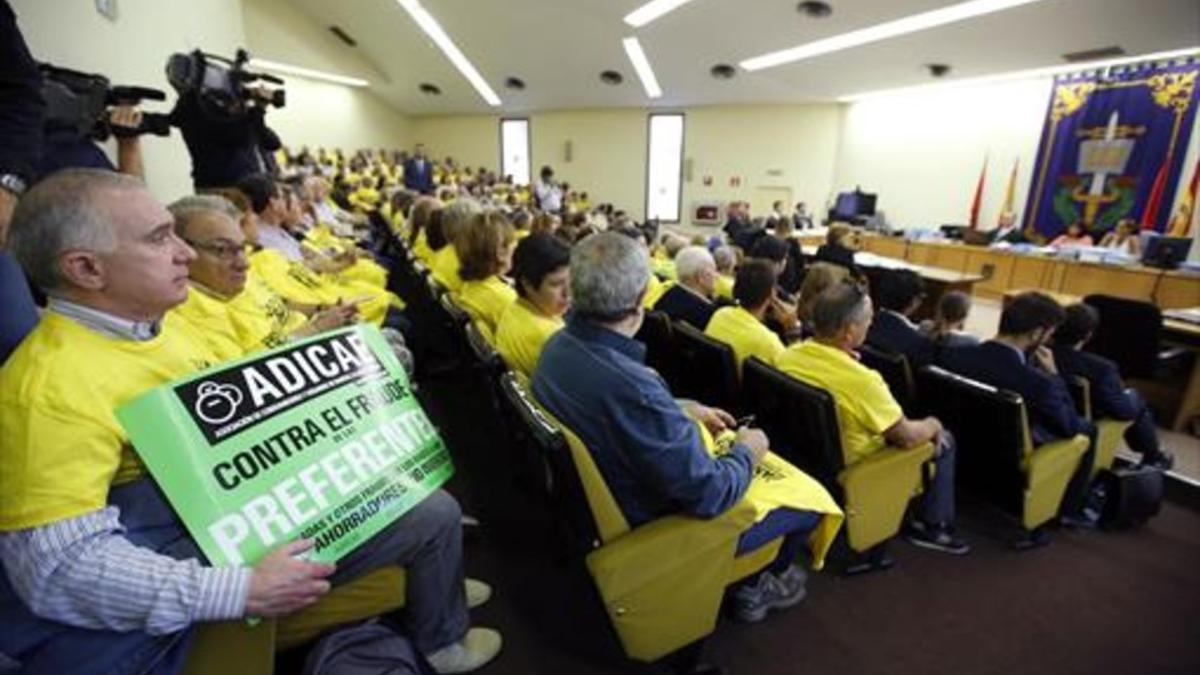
[1181,223]
[978,200]
[1010,193]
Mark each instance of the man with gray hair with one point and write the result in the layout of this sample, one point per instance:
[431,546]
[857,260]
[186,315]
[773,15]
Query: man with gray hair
[869,415]
[690,299]
[100,574]
[592,377]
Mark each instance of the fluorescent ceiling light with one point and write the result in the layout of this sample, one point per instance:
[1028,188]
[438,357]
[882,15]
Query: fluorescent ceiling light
[434,30]
[311,74]
[1047,71]
[883,31]
[651,11]
[637,57]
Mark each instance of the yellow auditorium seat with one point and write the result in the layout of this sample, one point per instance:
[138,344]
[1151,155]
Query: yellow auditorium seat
[662,583]
[237,648]
[802,422]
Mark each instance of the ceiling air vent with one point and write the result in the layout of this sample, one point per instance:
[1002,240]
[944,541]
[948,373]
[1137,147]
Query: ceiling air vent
[514,83]
[611,77]
[343,36]
[723,71]
[1094,54]
[431,89]
[814,10]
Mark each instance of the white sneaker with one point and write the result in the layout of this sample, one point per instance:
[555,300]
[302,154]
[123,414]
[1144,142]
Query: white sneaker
[477,592]
[477,647]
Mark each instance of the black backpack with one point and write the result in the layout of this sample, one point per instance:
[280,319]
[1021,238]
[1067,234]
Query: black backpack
[1128,497]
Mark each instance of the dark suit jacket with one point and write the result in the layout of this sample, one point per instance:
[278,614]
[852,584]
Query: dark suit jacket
[1109,398]
[891,333]
[793,273]
[838,255]
[417,178]
[1051,410]
[683,305]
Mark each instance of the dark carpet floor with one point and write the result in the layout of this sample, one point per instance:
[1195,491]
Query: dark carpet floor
[1095,602]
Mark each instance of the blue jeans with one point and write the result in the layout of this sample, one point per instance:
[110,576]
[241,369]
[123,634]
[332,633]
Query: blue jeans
[427,540]
[794,526]
[937,504]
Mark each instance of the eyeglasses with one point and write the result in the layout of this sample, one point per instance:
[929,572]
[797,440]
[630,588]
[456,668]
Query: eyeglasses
[224,250]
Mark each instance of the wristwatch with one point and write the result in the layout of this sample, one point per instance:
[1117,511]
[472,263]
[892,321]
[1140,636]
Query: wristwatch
[13,183]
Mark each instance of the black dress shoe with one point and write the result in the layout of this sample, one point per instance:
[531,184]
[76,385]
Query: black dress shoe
[1163,461]
[1078,521]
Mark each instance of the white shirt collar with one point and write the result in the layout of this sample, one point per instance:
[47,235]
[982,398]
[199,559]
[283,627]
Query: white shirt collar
[105,323]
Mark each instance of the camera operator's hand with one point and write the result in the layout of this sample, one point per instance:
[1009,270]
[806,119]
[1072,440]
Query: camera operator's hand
[126,116]
[123,119]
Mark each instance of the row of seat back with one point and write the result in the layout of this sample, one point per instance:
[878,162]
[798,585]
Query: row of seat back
[996,457]
[705,370]
[896,372]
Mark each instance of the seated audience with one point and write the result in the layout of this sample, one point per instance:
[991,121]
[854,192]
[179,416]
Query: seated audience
[486,249]
[820,276]
[784,251]
[836,249]
[1110,398]
[101,575]
[227,303]
[870,417]
[743,327]
[456,217]
[1019,360]
[1124,238]
[423,211]
[690,299]
[900,295]
[647,446]
[539,272]
[1074,237]
[946,328]
[726,259]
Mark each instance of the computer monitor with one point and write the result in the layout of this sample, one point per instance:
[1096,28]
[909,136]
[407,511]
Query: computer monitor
[1166,252]
[852,206]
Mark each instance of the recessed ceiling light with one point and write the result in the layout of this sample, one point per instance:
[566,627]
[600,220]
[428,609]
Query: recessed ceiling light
[611,77]
[431,89]
[814,9]
[938,69]
[514,83]
[651,11]
[909,24]
[723,71]
[435,32]
[641,65]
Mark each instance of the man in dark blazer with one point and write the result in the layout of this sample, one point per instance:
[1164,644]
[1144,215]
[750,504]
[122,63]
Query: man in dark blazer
[900,294]
[1109,396]
[690,299]
[1019,360]
[418,172]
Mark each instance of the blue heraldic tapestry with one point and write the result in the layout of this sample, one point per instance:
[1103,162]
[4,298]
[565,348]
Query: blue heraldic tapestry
[1112,148]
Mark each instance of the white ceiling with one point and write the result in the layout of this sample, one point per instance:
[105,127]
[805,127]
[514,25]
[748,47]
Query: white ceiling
[559,47]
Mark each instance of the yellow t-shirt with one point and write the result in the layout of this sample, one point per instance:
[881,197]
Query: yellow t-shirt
[864,404]
[62,446]
[211,319]
[486,300]
[297,283]
[444,268]
[421,250]
[724,287]
[746,334]
[260,317]
[655,290]
[522,333]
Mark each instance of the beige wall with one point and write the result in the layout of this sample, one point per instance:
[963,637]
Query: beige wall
[320,113]
[922,153]
[776,146]
[133,50]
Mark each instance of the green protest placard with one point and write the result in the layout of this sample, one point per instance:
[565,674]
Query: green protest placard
[321,438]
